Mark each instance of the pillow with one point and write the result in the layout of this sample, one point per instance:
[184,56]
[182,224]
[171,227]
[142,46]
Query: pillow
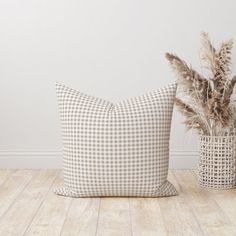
[116,149]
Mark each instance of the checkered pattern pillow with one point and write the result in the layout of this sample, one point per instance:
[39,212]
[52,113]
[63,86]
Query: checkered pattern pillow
[116,149]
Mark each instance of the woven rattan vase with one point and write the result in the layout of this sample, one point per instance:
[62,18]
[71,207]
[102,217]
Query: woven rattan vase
[217,163]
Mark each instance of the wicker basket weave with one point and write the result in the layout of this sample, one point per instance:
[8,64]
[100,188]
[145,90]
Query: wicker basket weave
[217,163]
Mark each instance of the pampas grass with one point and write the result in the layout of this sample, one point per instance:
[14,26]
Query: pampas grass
[207,103]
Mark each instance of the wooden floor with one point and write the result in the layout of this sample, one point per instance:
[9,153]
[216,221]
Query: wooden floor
[29,207]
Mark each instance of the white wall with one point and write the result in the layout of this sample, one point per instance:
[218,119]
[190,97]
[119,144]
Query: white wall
[108,48]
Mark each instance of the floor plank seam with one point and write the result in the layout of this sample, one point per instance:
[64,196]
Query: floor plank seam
[162,217]
[67,214]
[208,195]
[14,199]
[36,212]
[189,206]
[96,232]
[130,219]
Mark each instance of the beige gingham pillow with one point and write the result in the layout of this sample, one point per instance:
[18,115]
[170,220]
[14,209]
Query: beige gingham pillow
[116,149]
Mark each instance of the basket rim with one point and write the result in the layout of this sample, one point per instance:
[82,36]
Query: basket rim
[219,136]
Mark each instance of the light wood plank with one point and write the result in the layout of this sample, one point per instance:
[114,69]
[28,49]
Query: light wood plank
[146,217]
[52,213]
[212,219]
[20,214]
[27,204]
[114,217]
[82,217]
[12,187]
[4,175]
[177,215]
[226,199]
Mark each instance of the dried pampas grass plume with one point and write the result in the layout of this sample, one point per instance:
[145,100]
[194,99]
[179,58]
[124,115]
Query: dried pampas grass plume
[209,108]
[192,119]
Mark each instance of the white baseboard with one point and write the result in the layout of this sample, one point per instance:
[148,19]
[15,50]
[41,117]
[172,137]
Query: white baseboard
[183,159]
[53,159]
